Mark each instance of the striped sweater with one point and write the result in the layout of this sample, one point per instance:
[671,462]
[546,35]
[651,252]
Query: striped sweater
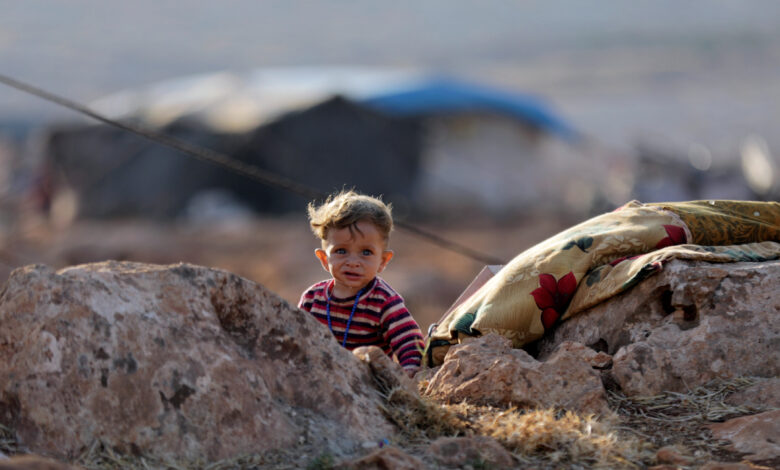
[381,319]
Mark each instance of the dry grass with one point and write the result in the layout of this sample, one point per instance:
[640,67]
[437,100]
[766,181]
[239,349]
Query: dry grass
[420,419]
[8,443]
[706,402]
[680,419]
[544,437]
[558,439]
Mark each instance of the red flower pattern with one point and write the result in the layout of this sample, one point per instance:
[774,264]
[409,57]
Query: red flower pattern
[676,236]
[552,297]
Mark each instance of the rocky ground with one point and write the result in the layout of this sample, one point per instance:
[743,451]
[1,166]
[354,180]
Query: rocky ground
[134,365]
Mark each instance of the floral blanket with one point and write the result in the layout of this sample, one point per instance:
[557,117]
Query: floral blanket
[601,257]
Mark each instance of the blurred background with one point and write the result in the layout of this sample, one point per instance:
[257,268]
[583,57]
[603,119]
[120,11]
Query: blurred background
[493,124]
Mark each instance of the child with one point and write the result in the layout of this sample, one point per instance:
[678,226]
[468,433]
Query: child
[360,308]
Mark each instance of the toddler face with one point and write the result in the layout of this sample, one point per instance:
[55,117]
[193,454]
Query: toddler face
[354,257]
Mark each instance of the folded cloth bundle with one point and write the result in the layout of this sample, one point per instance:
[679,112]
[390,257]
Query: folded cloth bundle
[603,256]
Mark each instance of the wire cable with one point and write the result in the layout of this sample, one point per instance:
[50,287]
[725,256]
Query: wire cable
[251,171]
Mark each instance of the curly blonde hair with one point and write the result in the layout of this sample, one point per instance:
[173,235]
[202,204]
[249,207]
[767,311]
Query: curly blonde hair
[346,209]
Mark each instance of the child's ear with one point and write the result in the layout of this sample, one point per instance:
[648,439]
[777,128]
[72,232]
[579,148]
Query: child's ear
[387,255]
[323,257]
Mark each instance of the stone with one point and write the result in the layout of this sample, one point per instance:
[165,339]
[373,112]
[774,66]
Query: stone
[763,395]
[387,373]
[597,359]
[386,458]
[672,455]
[477,451]
[33,462]
[755,434]
[423,376]
[685,326]
[174,361]
[488,371]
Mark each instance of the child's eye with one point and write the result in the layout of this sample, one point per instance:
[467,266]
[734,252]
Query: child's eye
[367,252]
[340,251]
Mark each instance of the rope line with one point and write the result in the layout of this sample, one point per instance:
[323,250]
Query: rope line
[248,170]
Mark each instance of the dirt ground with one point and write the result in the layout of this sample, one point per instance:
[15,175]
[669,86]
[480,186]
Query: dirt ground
[278,252]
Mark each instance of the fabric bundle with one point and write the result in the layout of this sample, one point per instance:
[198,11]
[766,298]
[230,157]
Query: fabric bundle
[601,257]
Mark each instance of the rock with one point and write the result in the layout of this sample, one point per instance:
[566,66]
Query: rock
[488,371]
[597,360]
[387,373]
[754,434]
[33,462]
[386,458]
[423,377]
[691,323]
[672,455]
[174,361]
[477,451]
[763,395]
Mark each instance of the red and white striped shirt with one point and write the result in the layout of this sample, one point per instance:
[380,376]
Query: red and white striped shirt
[381,319]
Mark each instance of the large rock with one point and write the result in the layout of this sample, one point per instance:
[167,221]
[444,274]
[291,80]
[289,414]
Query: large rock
[755,435]
[488,371]
[175,362]
[689,324]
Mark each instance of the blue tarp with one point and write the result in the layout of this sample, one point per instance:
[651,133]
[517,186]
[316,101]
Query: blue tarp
[446,95]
